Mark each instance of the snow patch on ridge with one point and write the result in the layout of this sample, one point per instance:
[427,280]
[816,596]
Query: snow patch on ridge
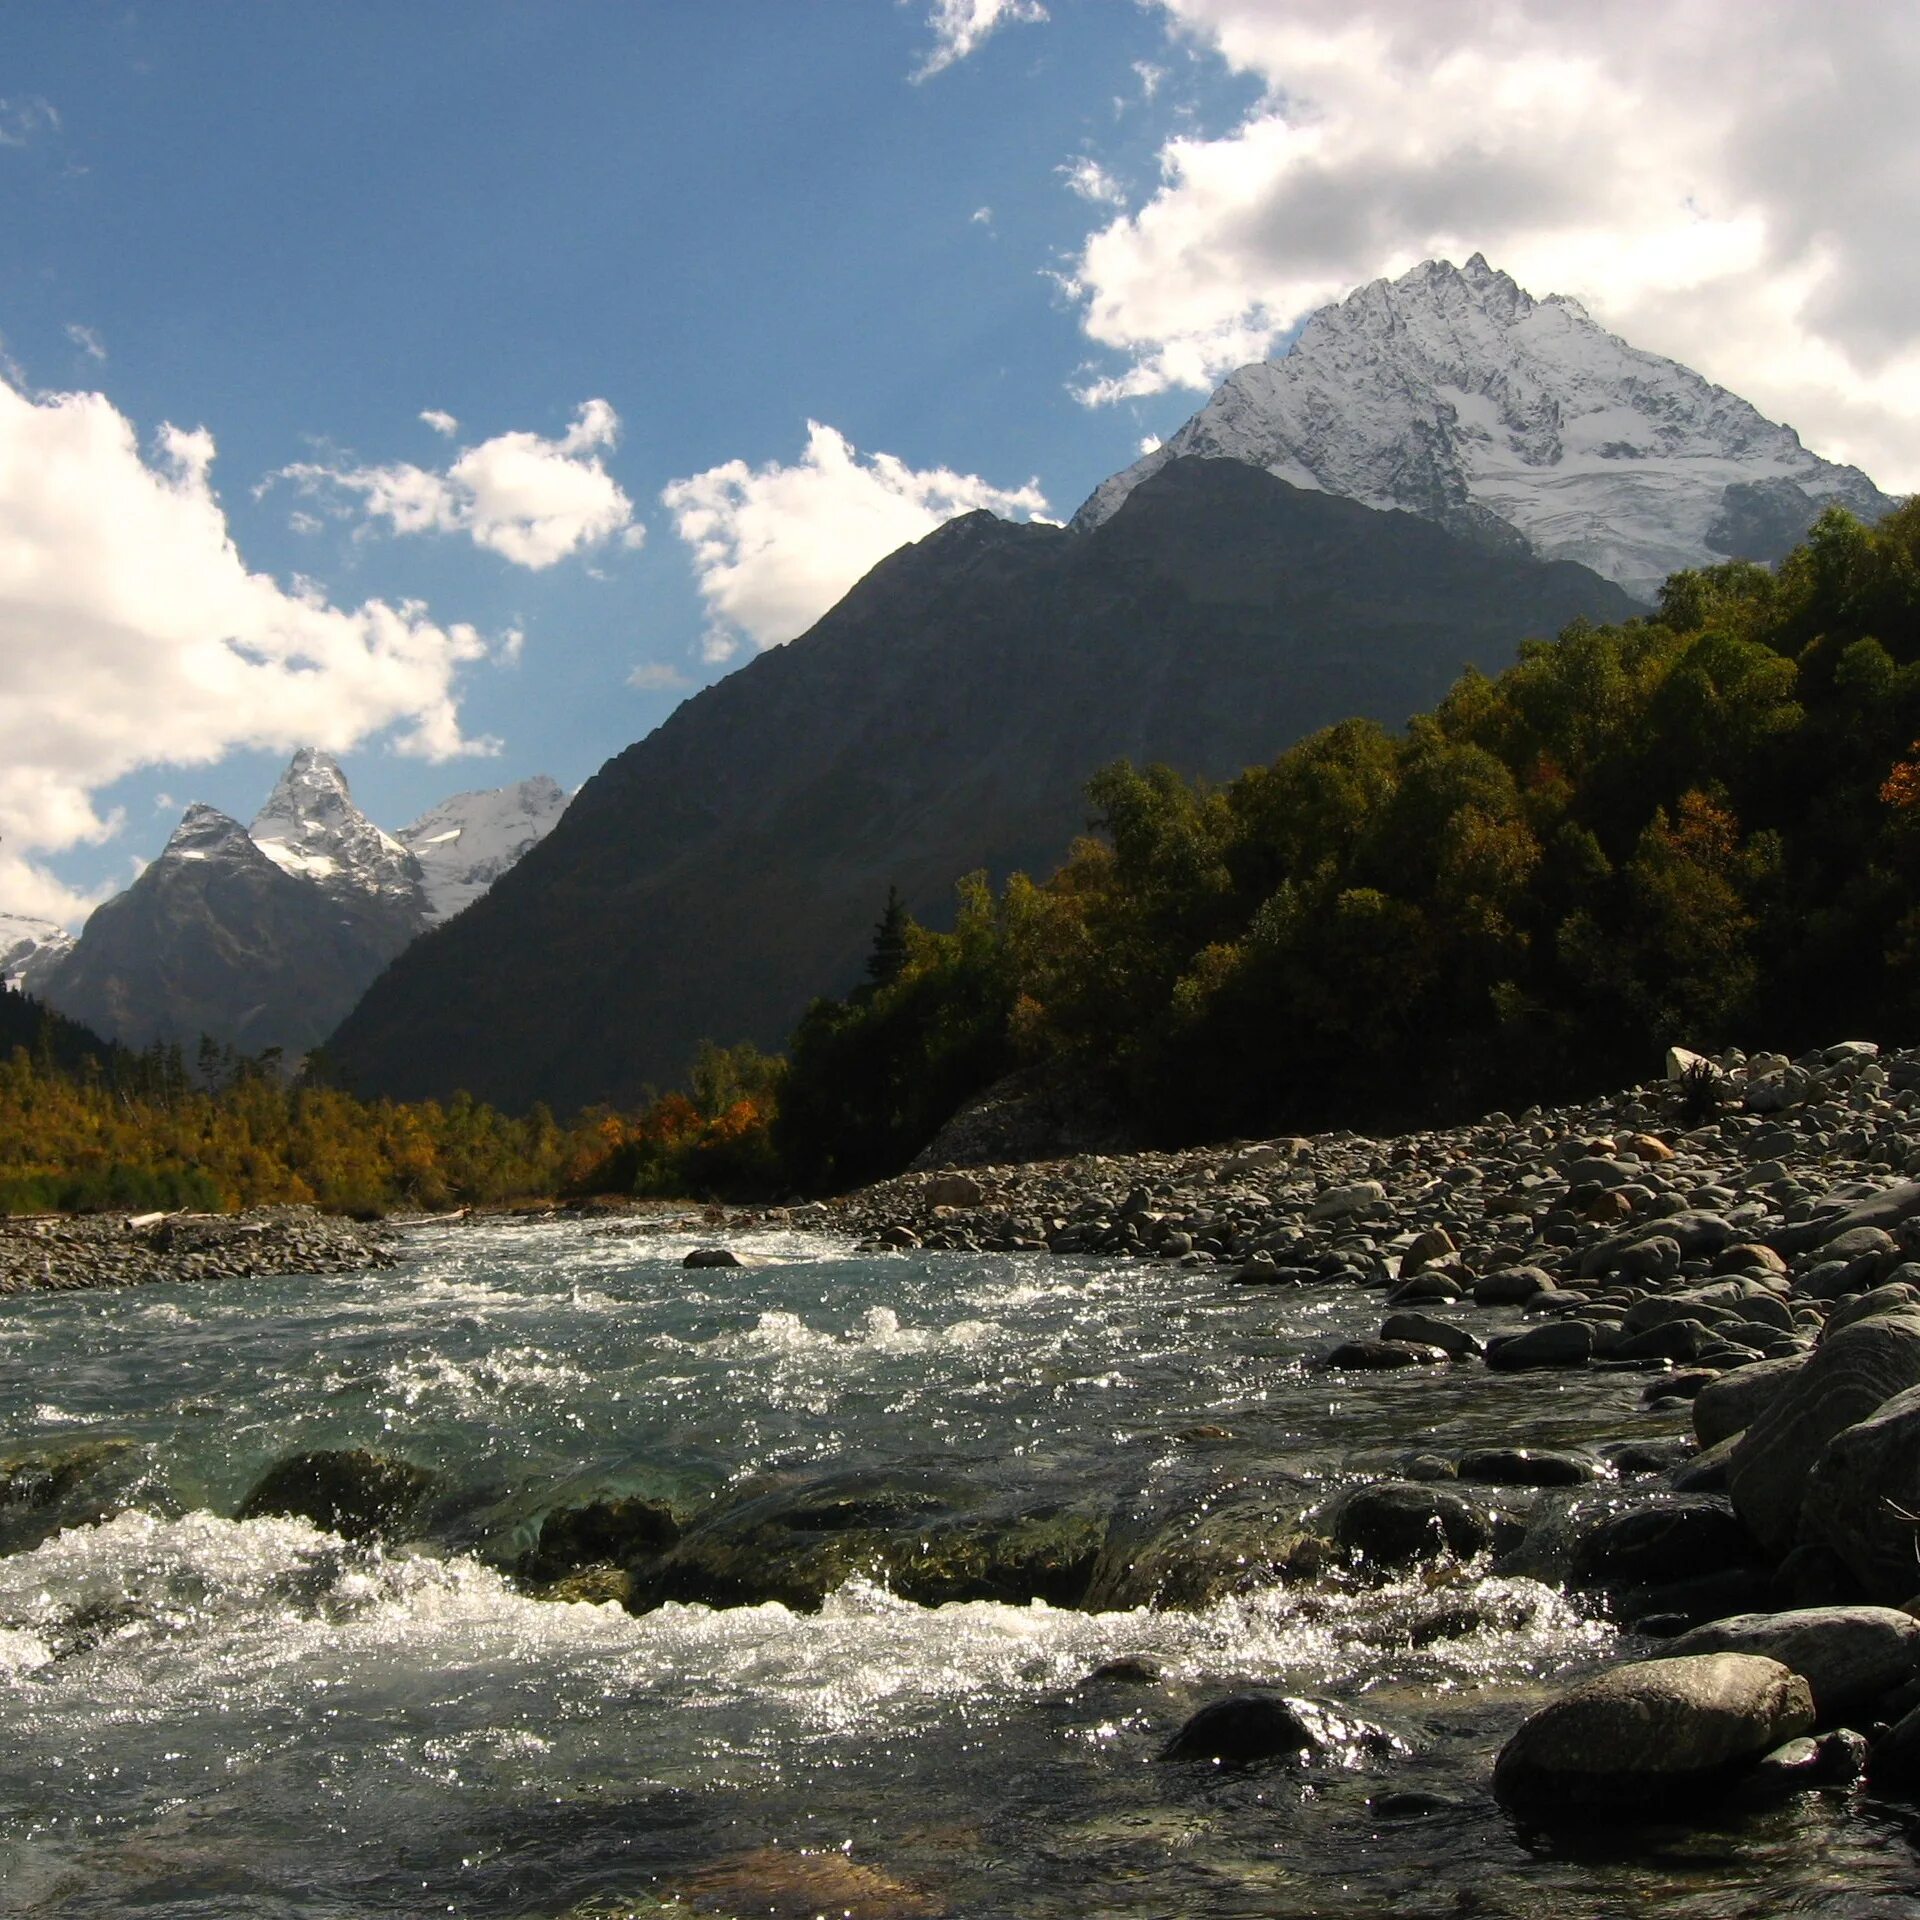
[311,829]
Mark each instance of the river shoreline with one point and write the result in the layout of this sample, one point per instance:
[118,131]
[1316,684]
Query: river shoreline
[67,1253]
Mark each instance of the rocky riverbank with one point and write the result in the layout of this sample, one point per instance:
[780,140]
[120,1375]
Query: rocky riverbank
[1746,1233]
[64,1255]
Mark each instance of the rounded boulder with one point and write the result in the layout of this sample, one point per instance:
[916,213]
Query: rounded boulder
[1641,1738]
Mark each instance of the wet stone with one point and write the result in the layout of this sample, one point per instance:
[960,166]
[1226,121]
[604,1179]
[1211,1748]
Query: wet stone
[1246,1729]
[1398,1523]
[1561,1343]
[351,1492]
[1640,1740]
[1527,1467]
[1373,1356]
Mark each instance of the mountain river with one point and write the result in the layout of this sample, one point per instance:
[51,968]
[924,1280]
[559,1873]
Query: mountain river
[206,1717]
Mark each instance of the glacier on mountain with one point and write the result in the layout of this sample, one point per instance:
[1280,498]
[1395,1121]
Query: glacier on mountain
[466,843]
[1453,393]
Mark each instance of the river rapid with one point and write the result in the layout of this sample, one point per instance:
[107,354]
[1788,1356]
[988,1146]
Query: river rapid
[207,1717]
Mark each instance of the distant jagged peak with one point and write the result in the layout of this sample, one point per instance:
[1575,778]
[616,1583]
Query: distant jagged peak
[311,828]
[1453,392]
[29,947]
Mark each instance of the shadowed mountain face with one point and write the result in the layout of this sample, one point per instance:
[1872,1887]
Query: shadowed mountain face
[216,938]
[944,716]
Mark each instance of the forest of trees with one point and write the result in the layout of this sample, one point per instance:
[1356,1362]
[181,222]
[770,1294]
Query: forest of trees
[83,1129]
[1702,826]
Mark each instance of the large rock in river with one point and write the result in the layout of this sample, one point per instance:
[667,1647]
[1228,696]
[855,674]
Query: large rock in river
[1397,1523]
[1642,1739]
[1212,1547]
[928,1536]
[1848,1656]
[1849,1377]
[1246,1728]
[1863,1498]
[1734,1401]
[348,1491]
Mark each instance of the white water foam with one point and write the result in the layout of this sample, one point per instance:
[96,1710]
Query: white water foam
[162,1621]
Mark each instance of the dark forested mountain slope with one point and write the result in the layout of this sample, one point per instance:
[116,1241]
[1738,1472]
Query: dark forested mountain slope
[944,716]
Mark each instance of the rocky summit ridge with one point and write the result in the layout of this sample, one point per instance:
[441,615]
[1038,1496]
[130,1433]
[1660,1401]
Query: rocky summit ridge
[1454,393]
[463,845]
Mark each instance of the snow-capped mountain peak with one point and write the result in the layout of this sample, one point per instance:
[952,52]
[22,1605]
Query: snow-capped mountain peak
[28,948]
[467,842]
[310,828]
[1453,393]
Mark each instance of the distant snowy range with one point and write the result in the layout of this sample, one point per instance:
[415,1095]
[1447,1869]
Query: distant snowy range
[1455,394]
[264,936]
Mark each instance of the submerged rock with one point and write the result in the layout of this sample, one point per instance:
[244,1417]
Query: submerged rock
[351,1492]
[602,1533]
[1246,1728]
[46,1489]
[928,1537]
[1648,1738]
[1218,1548]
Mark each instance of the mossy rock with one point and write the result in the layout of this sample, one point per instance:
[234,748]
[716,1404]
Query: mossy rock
[1217,1549]
[600,1533]
[929,1538]
[44,1490]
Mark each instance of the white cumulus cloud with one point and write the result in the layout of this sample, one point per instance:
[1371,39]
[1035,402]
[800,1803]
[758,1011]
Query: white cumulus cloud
[1729,184]
[775,546]
[959,26]
[440,420]
[87,340]
[530,499]
[132,634]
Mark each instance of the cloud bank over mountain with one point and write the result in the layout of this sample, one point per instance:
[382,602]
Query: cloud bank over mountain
[775,546]
[1726,184]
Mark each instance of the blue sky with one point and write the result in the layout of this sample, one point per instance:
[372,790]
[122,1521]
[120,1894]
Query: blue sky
[986,246]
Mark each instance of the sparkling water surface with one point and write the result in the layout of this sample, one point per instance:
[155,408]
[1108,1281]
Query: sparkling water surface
[204,1717]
